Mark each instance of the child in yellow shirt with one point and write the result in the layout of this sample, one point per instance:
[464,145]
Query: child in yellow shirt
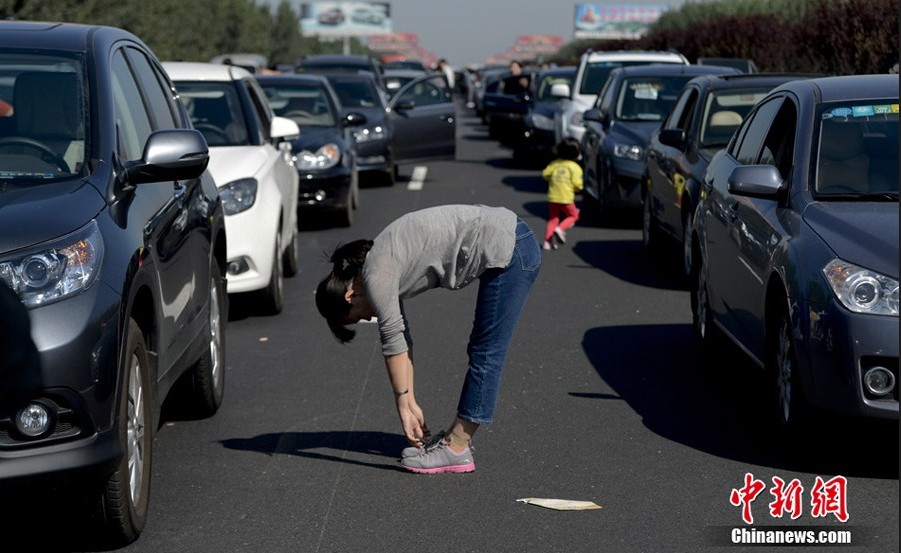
[564,176]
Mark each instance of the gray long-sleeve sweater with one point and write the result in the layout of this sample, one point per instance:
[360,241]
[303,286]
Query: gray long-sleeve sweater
[438,247]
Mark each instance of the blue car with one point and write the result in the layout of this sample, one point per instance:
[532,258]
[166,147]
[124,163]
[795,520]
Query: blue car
[632,103]
[795,243]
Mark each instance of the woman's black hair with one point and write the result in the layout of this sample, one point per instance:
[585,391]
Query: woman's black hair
[568,148]
[347,264]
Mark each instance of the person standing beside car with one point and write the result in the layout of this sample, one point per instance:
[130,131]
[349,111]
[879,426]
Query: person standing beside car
[447,247]
[564,178]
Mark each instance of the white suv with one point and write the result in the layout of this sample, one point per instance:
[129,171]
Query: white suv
[593,70]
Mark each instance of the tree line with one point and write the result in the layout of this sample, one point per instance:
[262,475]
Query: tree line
[833,37]
[816,36]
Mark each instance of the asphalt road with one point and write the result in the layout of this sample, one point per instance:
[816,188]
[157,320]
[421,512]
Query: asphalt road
[602,400]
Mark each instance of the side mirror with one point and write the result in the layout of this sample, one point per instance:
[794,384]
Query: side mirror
[282,127]
[404,105]
[560,90]
[170,154]
[354,119]
[674,138]
[757,181]
[592,114]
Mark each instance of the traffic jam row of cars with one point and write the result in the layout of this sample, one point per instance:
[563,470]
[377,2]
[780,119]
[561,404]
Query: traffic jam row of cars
[136,198]
[777,193]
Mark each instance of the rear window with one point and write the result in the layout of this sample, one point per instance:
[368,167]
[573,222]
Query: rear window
[595,74]
[857,150]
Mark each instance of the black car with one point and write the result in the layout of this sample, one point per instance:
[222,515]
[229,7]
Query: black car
[112,236]
[505,103]
[631,104]
[536,140]
[417,124]
[324,153]
[700,124]
[796,248]
[344,63]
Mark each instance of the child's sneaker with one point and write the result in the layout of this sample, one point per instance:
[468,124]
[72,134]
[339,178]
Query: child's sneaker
[560,234]
[546,245]
[440,458]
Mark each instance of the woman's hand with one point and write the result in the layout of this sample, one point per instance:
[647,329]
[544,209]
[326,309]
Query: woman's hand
[413,421]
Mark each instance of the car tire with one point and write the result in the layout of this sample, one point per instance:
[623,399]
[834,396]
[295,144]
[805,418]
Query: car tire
[707,335]
[126,495]
[206,379]
[274,294]
[650,229]
[346,218]
[291,257]
[788,405]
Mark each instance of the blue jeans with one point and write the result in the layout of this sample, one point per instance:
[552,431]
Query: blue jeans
[502,295]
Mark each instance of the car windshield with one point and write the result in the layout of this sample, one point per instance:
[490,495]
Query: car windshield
[216,112]
[305,105]
[43,120]
[857,152]
[596,74]
[648,98]
[547,82]
[355,93]
[724,112]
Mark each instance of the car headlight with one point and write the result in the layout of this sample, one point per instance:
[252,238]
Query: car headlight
[862,290]
[369,134]
[325,157]
[542,122]
[576,119]
[55,270]
[238,196]
[628,151]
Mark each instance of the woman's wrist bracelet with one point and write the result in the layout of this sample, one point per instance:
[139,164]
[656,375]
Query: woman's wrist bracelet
[398,394]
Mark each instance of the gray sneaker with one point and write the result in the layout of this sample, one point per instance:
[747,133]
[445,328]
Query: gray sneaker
[440,458]
[413,450]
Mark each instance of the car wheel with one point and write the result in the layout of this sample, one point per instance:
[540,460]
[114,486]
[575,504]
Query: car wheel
[706,333]
[390,176]
[207,376]
[347,212]
[290,259]
[126,495]
[650,231]
[273,294]
[782,368]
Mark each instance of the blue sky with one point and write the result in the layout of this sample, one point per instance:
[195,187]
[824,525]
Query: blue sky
[467,31]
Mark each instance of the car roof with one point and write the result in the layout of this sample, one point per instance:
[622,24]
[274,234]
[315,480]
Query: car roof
[847,87]
[331,58]
[671,69]
[406,72]
[200,71]
[744,80]
[637,55]
[287,78]
[57,35]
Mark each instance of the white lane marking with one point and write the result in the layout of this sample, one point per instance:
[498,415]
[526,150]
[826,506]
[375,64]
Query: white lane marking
[417,178]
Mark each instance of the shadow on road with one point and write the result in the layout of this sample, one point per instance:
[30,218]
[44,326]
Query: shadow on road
[655,370]
[627,261]
[327,446]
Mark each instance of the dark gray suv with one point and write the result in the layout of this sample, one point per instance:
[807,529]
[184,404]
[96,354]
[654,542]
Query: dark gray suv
[112,237]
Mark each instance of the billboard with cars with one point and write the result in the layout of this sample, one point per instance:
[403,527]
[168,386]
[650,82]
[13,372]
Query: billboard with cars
[615,21]
[340,19]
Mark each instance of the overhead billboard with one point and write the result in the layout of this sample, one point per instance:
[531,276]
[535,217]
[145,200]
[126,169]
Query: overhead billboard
[341,19]
[615,21]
